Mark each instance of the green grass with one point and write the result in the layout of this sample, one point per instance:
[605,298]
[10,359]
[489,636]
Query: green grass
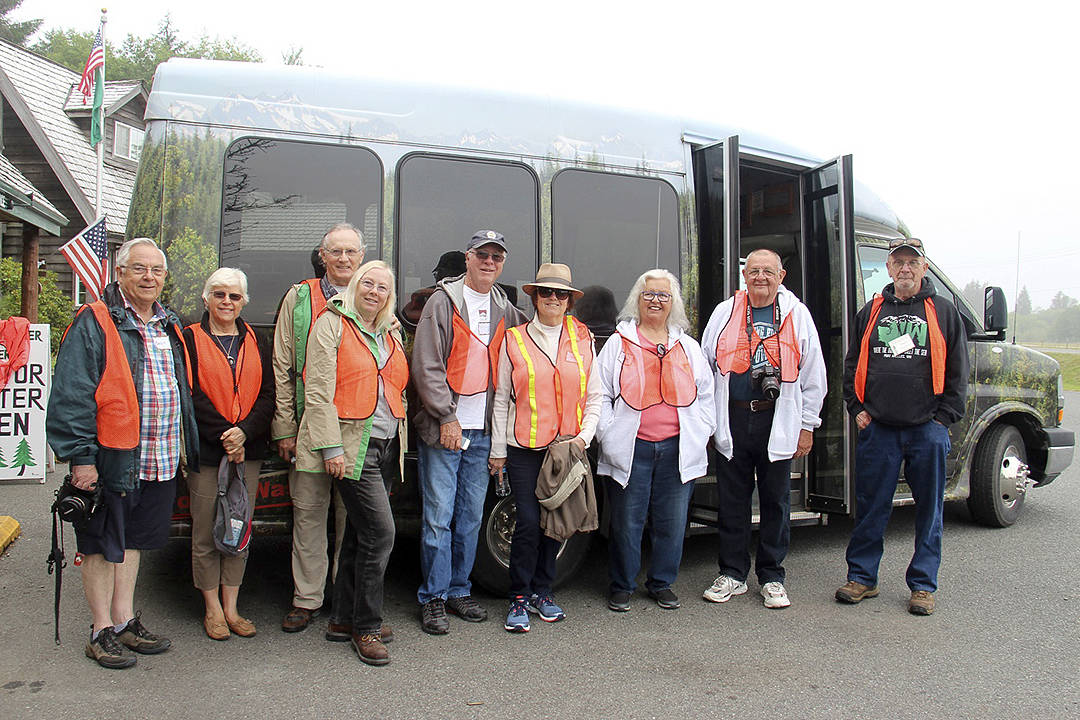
[1070,369]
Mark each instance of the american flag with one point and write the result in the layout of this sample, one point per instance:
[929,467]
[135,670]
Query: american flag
[86,254]
[96,60]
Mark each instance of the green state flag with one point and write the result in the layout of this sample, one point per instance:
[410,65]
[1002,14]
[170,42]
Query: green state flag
[97,112]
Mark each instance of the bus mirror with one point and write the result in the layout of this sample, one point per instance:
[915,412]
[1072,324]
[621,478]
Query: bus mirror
[995,311]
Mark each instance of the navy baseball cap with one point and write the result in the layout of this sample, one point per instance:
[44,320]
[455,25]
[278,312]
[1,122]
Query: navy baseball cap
[486,237]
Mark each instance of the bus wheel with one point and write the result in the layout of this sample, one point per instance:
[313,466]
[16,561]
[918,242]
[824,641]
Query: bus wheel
[492,567]
[998,477]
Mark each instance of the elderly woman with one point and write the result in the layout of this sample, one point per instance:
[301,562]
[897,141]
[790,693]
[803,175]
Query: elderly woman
[655,422]
[233,393]
[547,392]
[354,408]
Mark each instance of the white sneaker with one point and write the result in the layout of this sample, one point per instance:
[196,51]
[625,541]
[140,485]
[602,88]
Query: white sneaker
[723,588]
[775,595]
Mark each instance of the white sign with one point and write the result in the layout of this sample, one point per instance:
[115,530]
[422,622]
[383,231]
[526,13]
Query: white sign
[23,453]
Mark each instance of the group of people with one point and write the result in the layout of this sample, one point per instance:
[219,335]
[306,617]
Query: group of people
[140,401]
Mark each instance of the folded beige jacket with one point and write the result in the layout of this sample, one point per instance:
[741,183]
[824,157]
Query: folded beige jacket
[566,493]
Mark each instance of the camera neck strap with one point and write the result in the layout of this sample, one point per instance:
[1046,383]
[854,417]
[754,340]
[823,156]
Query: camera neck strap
[756,339]
[56,564]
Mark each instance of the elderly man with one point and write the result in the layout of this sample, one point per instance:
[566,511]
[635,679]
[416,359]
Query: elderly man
[120,412]
[905,380]
[342,252]
[770,384]
[455,354]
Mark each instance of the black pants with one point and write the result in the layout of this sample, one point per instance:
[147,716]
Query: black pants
[735,489]
[532,554]
[369,538]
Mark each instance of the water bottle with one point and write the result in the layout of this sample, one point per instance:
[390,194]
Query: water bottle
[502,485]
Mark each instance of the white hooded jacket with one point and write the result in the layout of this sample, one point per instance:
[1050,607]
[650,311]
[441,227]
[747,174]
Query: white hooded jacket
[799,405]
[618,427]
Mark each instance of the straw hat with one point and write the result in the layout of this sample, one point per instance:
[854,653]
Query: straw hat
[552,275]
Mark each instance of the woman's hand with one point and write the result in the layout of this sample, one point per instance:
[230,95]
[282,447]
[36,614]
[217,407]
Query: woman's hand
[578,442]
[335,467]
[238,456]
[496,464]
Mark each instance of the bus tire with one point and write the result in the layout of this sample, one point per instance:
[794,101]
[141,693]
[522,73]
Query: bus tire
[491,570]
[994,500]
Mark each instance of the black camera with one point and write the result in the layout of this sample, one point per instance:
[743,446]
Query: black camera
[75,505]
[768,378]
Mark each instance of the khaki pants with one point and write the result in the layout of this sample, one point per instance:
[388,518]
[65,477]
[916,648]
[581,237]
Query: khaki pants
[310,493]
[210,567]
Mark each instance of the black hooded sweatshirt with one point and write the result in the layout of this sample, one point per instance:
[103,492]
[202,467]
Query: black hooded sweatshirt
[899,389]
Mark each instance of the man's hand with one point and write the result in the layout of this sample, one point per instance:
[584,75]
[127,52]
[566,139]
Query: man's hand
[450,435]
[286,448]
[236,456]
[84,477]
[863,419]
[495,465]
[806,441]
[232,440]
[335,467]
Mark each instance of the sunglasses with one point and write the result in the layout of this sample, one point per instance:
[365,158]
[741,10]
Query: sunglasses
[909,242]
[484,255]
[546,292]
[221,295]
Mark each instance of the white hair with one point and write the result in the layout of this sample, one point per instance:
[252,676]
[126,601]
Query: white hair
[226,277]
[677,318]
[343,226]
[124,252]
[385,317]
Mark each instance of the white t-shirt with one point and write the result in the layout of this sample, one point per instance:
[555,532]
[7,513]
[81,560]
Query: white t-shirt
[472,409]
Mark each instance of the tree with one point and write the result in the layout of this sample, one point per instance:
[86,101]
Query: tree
[973,292]
[3,463]
[1023,302]
[23,457]
[15,31]
[293,56]
[1061,301]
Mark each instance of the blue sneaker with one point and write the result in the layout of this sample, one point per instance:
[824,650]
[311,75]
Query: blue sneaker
[517,620]
[545,607]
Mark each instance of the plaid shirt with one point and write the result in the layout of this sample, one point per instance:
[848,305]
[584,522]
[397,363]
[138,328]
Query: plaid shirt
[159,426]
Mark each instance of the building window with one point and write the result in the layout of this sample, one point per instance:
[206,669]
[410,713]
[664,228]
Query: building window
[127,141]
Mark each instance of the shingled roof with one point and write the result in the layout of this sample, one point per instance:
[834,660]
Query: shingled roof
[38,91]
[117,94]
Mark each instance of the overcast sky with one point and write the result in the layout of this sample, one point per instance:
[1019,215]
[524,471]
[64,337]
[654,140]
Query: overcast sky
[961,115]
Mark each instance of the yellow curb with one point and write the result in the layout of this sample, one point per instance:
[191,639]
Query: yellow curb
[9,530]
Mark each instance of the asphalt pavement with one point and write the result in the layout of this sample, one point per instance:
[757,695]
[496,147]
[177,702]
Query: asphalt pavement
[1002,643]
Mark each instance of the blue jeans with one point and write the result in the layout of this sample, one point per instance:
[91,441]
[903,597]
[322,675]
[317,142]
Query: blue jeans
[654,492]
[453,485]
[880,450]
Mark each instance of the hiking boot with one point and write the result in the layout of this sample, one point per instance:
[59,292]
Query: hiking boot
[466,608]
[724,587]
[342,632]
[136,637]
[433,619]
[545,607]
[855,592]
[774,595]
[618,601]
[298,619]
[921,602]
[370,648]
[665,598]
[107,650]
[517,619]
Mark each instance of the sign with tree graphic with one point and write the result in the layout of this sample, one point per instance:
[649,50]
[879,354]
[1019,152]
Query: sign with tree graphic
[23,400]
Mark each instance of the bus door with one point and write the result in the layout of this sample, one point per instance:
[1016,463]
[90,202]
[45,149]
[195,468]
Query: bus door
[828,236]
[716,186]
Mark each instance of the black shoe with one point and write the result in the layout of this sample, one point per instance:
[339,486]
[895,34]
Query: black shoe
[618,601]
[665,598]
[433,618]
[107,651]
[466,608]
[136,637]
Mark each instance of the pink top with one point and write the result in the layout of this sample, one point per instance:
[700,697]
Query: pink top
[661,421]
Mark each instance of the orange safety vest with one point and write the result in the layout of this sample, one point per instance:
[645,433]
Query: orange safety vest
[738,341]
[549,397]
[357,391]
[471,365]
[232,392]
[648,378]
[937,347]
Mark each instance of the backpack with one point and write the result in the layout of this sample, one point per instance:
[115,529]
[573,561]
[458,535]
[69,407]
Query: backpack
[232,519]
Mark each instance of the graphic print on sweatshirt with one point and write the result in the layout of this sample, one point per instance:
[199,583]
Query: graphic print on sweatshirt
[902,337]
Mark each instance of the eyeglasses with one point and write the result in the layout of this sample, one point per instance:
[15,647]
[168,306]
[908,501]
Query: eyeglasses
[910,242]
[155,270]
[368,286]
[767,272]
[221,295]
[910,263]
[657,295]
[484,255]
[338,252]
[546,292]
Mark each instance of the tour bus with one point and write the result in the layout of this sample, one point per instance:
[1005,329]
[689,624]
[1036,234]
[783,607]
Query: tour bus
[247,165]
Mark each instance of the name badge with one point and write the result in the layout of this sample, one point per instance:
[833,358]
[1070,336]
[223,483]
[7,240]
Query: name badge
[901,345]
[162,343]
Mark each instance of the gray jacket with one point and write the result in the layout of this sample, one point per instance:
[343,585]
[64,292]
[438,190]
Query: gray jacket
[431,347]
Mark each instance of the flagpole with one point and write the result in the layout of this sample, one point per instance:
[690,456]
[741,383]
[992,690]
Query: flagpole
[101,143]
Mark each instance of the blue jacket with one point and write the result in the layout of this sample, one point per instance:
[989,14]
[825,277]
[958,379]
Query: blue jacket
[71,423]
